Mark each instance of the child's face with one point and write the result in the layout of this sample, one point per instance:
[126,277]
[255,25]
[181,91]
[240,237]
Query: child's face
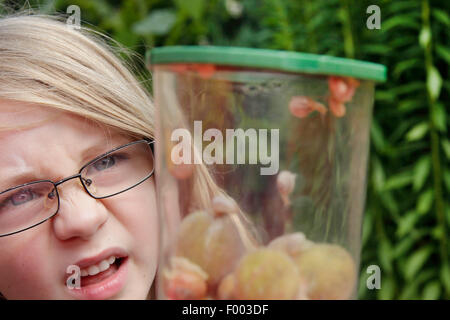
[33,263]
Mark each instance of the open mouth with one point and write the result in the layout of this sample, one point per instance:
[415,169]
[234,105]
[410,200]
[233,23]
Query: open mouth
[97,273]
[103,276]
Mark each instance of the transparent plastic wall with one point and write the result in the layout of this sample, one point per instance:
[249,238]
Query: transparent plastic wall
[261,180]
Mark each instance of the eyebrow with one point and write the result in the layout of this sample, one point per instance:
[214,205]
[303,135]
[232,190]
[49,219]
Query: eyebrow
[14,179]
[101,147]
[94,151]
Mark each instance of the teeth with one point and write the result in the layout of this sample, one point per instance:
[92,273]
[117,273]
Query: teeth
[93,270]
[103,265]
[97,268]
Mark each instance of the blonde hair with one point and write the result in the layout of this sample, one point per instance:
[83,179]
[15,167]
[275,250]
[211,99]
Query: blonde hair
[45,62]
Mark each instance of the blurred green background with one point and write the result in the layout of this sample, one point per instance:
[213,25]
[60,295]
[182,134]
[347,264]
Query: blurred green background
[407,219]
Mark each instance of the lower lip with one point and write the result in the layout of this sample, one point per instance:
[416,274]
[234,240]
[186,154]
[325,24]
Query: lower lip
[104,289]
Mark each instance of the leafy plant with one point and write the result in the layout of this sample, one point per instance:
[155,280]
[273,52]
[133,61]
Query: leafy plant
[407,218]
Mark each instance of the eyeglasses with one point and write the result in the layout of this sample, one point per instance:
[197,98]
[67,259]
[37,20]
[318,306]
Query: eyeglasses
[121,169]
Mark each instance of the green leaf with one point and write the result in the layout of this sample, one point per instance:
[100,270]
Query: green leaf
[398,181]
[402,247]
[425,37]
[402,21]
[443,52]
[445,276]
[437,233]
[390,203]
[385,255]
[434,82]
[406,223]
[416,261]
[409,88]
[418,131]
[441,16]
[432,291]
[387,290]
[439,117]
[410,290]
[410,105]
[421,172]
[378,176]
[446,146]
[425,201]
[405,65]
[403,42]
[385,95]
[376,49]
[399,132]
[158,22]
[401,7]
[376,133]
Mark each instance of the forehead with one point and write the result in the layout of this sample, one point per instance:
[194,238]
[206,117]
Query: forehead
[16,115]
[31,122]
[47,141]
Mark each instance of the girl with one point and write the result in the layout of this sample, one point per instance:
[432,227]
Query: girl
[78,206]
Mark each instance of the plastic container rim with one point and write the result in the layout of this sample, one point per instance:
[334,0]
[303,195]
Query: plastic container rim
[268,59]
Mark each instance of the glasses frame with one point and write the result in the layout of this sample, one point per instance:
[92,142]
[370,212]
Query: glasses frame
[149,142]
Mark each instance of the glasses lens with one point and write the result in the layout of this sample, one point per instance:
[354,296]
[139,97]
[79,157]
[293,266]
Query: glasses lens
[26,206]
[119,170]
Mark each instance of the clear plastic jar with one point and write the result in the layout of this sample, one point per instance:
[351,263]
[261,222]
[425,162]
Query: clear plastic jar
[261,172]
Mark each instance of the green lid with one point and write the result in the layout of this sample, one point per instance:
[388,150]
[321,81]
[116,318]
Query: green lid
[269,59]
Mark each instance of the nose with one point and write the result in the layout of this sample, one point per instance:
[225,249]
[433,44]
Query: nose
[79,215]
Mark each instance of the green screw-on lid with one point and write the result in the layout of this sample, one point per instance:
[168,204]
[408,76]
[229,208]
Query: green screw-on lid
[269,59]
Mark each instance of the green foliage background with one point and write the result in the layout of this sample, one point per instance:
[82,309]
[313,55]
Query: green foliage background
[407,219]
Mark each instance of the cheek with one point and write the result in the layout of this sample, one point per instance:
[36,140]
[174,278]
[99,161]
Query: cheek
[136,211]
[25,269]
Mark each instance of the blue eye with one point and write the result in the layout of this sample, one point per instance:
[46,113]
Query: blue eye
[105,163]
[23,196]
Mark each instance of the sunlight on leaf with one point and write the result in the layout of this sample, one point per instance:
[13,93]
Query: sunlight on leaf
[434,82]
[417,132]
[421,172]
[158,22]
[416,261]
